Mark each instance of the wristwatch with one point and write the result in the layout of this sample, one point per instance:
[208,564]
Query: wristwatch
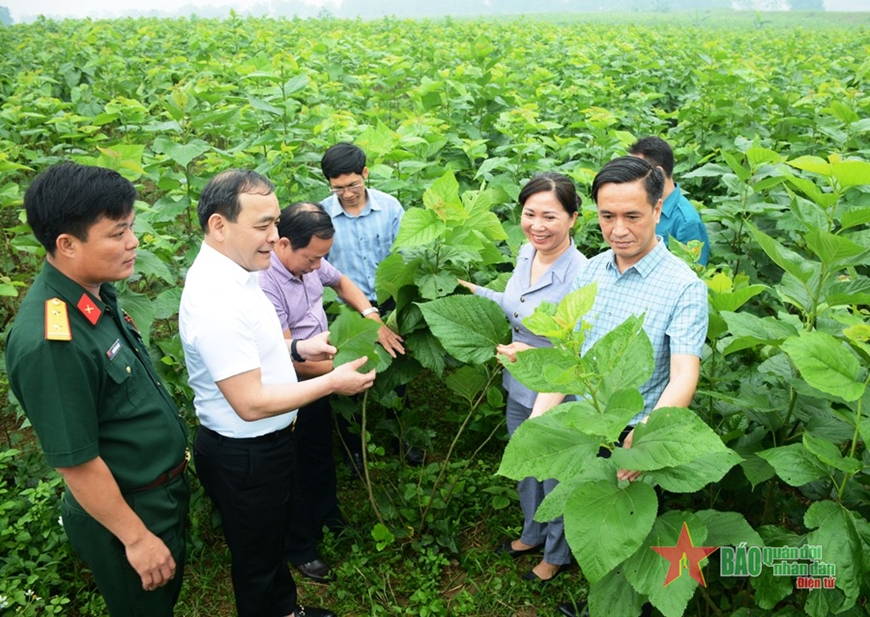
[370,310]
[294,353]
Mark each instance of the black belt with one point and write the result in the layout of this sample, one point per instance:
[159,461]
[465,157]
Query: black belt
[258,439]
[167,476]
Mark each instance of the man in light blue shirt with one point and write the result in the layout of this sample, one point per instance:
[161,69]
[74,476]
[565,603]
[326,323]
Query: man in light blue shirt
[638,275]
[366,220]
[679,219]
[366,223]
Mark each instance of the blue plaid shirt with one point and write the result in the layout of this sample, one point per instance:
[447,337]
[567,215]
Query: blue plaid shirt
[672,297]
[362,242]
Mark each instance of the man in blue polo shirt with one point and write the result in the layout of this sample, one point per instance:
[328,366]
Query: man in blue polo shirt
[679,219]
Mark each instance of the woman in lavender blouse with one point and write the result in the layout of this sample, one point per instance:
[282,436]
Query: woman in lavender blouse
[545,268]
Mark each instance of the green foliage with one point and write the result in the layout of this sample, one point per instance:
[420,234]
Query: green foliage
[771,138]
[34,548]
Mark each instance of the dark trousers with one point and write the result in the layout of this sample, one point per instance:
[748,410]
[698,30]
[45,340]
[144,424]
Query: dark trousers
[163,509]
[250,481]
[314,494]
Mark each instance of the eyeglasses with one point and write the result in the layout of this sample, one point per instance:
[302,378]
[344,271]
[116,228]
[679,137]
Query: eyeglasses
[339,190]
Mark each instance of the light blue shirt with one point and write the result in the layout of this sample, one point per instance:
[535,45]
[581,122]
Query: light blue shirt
[521,297]
[680,220]
[670,294]
[363,241]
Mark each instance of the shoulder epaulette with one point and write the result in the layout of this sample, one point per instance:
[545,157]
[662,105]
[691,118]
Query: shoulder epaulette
[57,321]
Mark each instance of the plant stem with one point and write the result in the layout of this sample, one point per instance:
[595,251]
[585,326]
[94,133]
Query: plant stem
[473,407]
[365,469]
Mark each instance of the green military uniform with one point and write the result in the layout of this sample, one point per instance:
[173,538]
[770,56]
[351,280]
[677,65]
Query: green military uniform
[84,378]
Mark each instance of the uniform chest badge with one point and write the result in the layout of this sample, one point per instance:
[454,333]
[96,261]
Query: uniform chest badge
[112,351]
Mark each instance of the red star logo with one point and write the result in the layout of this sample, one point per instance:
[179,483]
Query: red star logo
[684,553]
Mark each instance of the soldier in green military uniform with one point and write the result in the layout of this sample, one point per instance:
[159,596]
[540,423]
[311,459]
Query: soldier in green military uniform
[79,368]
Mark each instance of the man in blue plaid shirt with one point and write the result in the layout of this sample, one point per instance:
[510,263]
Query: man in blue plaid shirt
[639,276]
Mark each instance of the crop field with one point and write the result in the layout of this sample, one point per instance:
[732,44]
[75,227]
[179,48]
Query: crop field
[769,117]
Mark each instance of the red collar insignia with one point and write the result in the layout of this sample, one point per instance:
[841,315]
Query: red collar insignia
[89,309]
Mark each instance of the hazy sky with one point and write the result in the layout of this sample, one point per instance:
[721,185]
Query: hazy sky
[112,8]
[22,9]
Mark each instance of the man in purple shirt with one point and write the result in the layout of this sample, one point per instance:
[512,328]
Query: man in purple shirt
[294,284]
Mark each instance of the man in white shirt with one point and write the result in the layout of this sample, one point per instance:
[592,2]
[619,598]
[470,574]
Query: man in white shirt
[246,392]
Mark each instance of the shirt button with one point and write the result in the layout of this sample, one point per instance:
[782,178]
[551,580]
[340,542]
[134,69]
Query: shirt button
[516,314]
[522,298]
[516,328]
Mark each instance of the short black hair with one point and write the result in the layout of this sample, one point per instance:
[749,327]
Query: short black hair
[342,158]
[560,185]
[68,198]
[655,150]
[626,169]
[221,194]
[302,220]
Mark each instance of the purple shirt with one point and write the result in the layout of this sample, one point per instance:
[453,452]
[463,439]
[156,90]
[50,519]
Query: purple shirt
[299,302]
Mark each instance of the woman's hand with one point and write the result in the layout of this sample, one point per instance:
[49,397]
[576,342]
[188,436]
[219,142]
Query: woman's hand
[511,350]
[469,286]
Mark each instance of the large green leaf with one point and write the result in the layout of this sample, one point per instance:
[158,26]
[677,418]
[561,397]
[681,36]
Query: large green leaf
[141,310]
[837,533]
[426,349]
[467,382]
[378,140]
[785,258]
[182,154]
[548,446]
[795,464]
[728,528]
[605,524]
[355,336]
[851,173]
[828,453]
[836,251]
[814,164]
[614,596]
[647,570]
[733,300]
[623,357]
[442,199]
[148,264]
[480,218]
[548,369]
[434,282]
[673,436]
[854,218]
[695,475]
[469,327]
[595,470]
[748,330]
[556,322]
[827,364]
[418,227]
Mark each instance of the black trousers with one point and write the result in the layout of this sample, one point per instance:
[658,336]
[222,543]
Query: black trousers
[250,481]
[314,492]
